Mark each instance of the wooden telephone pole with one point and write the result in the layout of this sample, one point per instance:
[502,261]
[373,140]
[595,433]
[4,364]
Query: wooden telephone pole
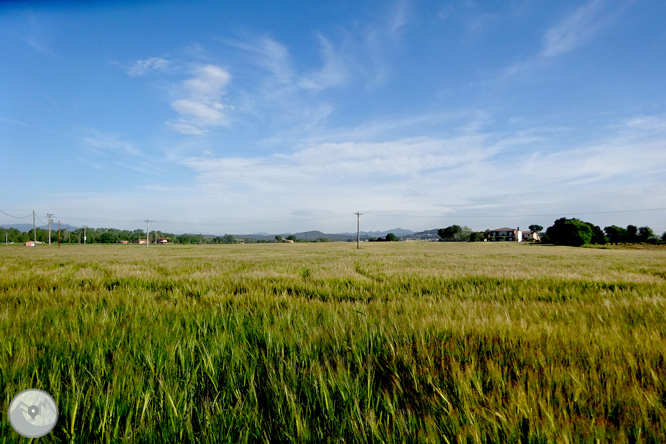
[358,229]
[50,216]
[147,221]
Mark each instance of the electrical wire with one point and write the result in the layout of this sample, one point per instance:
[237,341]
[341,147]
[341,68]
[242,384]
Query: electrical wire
[16,217]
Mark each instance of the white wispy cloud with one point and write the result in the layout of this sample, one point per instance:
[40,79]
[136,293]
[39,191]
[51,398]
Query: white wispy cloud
[269,55]
[145,66]
[319,166]
[103,143]
[572,32]
[334,72]
[399,16]
[648,123]
[200,107]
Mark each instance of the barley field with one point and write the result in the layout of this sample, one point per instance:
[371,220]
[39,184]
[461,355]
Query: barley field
[392,343]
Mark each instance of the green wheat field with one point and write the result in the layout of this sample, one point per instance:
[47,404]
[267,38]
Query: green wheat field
[392,343]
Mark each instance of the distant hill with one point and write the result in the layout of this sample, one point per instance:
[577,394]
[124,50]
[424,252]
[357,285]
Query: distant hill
[314,235]
[424,235]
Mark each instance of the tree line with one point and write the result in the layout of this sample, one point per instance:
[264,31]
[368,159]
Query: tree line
[571,232]
[110,236]
[114,236]
[575,232]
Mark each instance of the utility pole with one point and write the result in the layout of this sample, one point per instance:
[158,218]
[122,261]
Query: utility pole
[50,216]
[58,234]
[358,229]
[147,221]
[34,228]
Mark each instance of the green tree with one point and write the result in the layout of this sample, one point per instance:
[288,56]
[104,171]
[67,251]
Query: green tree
[14,235]
[291,237]
[536,228]
[391,237]
[598,235]
[572,232]
[477,236]
[632,233]
[645,234]
[616,234]
[278,238]
[228,239]
[137,234]
[449,233]
[464,234]
[108,238]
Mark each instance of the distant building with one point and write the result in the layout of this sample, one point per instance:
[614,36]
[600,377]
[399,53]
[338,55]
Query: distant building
[529,236]
[164,240]
[503,234]
[512,235]
[30,244]
[124,242]
[141,241]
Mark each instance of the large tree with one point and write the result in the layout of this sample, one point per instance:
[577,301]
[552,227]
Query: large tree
[536,228]
[110,237]
[449,233]
[572,232]
[632,232]
[616,234]
[645,234]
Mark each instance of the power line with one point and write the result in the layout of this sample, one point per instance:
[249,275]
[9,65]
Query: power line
[75,219]
[16,217]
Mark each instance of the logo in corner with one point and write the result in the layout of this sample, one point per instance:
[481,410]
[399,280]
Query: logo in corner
[33,413]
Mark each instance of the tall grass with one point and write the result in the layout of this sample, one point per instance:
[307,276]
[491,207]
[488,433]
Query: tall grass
[322,343]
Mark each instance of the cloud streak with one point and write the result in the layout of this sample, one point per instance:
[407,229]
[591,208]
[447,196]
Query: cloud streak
[143,67]
[574,31]
[200,108]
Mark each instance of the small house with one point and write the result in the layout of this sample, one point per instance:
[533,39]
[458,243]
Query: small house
[30,244]
[513,235]
[504,234]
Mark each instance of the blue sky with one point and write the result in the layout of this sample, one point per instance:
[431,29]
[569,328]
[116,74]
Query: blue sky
[285,116]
